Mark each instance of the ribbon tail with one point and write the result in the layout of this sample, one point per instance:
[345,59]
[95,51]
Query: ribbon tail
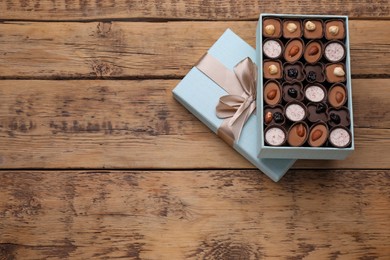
[225,133]
[239,123]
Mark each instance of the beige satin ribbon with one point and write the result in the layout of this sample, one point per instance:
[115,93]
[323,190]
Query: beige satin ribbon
[239,104]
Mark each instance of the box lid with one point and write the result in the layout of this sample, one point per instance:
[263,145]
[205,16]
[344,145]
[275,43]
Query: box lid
[200,95]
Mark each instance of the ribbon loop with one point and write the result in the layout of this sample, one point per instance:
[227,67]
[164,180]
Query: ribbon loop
[239,108]
[239,104]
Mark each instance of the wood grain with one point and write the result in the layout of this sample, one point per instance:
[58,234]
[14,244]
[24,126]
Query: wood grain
[194,215]
[148,50]
[181,9]
[138,124]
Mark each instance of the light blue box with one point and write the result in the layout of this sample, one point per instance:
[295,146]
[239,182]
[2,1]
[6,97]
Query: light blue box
[200,95]
[285,152]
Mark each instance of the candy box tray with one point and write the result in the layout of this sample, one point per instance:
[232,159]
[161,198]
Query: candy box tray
[329,149]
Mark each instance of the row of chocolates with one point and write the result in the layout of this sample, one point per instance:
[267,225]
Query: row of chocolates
[309,28]
[299,134]
[274,93]
[312,52]
[296,111]
[332,73]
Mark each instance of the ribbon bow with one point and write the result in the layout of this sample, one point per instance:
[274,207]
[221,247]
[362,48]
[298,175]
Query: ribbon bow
[239,104]
[238,108]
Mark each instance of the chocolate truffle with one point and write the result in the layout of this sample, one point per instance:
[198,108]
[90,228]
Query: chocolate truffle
[272,48]
[298,133]
[292,29]
[317,112]
[335,73]
[315,73]
[273,115]
[295,111]
[272,69]
[293,50]
[293,71]
[340,137]
[272,93]
[337,95]
[272,28]
[334,29]
[318,134]
[313,51]
[312,29]
[334,51]
[338,117]
[315,92]
[292,91]
[275,135]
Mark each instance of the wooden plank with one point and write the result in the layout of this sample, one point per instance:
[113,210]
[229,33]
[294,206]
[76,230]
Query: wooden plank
[194,215]
[148,50]
[180,9]
[138,124]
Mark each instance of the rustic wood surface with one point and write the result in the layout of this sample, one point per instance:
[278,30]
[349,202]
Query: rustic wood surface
[117,50]
[98,161]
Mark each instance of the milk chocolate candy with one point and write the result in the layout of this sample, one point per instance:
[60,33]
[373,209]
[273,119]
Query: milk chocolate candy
[294,50]
[313,51]
[272,69]
[313,29]
[272,28]
[318,134]
[272,92]
[292,28]
[337,95]
[297,134]
[334,30]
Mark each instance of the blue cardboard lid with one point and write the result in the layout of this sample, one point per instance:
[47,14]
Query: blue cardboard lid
[200,95]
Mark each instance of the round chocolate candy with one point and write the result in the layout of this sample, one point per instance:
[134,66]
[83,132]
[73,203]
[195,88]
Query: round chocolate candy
[275,135]
[340,137]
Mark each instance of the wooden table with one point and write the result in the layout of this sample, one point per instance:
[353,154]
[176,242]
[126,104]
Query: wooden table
[99,161]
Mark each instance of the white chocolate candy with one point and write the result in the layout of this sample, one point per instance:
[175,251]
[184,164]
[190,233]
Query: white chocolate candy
[340,137]
[272,49]
[275,136]
[295,112]
[334,52]
[314,93]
